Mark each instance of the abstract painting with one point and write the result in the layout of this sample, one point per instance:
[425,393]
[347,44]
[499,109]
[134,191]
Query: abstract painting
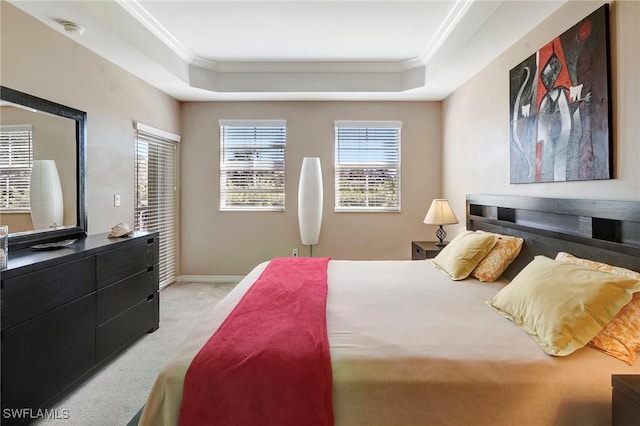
[560,107]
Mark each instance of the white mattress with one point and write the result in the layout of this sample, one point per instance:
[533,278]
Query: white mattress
[411,347]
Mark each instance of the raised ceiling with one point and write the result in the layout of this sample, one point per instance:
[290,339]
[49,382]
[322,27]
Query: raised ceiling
[298,50]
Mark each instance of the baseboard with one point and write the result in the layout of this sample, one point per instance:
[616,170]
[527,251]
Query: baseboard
[210,278]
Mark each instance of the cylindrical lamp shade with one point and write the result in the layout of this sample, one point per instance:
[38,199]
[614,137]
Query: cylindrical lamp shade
[310,200]
[45,193]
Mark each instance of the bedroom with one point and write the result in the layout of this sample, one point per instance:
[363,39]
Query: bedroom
[447,159]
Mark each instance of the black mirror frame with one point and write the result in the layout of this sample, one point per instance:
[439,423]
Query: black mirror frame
[24,239]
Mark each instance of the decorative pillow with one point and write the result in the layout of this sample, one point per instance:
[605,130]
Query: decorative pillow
[620,338]
[560,305]
[463,253]
[499,258]
[567,257]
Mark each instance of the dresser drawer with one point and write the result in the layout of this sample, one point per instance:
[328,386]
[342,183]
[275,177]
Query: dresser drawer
[153,251]
[120,263]
[26,296]
[130,324]
[120,296]
[43,356]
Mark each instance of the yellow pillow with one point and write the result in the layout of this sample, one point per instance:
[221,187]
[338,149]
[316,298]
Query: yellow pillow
[560,305]
[463,253]
[620,338]
[499,258]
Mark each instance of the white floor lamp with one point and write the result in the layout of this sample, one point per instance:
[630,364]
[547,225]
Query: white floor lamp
[45,195]
[310,201]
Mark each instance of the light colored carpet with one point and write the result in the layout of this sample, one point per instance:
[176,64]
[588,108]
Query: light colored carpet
[114,394]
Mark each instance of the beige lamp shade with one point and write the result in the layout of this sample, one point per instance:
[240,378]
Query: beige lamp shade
[440,213]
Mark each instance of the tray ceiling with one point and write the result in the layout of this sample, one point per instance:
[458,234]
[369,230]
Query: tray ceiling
[298,50]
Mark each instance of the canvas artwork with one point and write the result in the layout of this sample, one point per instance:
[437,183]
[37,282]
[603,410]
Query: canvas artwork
[560,107]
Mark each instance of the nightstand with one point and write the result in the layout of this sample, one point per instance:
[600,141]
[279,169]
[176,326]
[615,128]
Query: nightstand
[421,250]
[625,399]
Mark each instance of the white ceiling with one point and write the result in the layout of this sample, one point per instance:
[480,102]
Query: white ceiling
[298,49]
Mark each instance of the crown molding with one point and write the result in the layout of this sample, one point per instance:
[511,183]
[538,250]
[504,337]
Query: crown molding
[135,9]
[306,66]
[280,77]
[447,26]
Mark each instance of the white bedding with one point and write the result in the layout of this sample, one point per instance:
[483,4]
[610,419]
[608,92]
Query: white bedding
[411,347]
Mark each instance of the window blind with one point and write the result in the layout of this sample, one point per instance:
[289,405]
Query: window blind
[156,194]
[367,166]
[16,160]
[252,164]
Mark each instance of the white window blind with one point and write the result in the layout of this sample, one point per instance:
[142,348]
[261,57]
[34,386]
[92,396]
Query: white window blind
[252,164]
[156,193]
[367,166]
[16,160]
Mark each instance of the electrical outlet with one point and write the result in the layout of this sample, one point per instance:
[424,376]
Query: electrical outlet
[116,200]
[294,252]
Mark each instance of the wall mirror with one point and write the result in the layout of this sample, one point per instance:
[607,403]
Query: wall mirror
[36,133]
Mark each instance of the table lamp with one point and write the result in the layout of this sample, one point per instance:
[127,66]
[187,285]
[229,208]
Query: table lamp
[440,213]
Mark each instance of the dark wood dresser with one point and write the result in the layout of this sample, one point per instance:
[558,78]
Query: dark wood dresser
[66,312]
[625,399]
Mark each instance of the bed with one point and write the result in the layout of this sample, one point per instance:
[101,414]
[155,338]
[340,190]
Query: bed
[409,346]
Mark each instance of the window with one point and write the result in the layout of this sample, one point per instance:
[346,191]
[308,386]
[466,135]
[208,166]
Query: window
[252,164]
[16,159]
[156,193]
[367,169]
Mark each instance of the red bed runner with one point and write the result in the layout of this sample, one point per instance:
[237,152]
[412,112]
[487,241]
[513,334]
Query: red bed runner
[269,362]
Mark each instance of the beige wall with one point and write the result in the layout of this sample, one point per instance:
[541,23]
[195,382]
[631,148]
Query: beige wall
[42,62]
[231,243]
[476,117]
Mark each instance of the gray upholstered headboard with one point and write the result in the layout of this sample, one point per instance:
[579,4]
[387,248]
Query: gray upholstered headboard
[605,231]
